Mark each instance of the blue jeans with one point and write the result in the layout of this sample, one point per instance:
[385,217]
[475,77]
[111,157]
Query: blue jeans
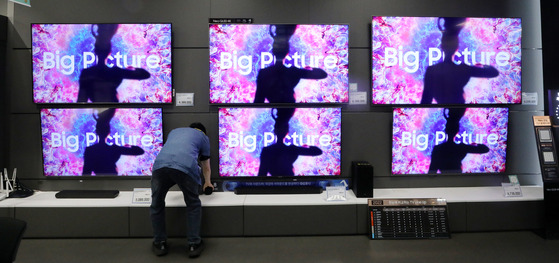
[161,181]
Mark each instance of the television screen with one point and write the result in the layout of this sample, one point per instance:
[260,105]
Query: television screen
[446,60]
[101,63]
[275,142]
[283,63]
[100,142]
[449,140]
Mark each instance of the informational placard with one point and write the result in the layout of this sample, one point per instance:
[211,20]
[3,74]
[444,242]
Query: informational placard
[408,218]
[336,193]
[141,196]
[512,190]
[22,2]
[185,99]
[529,98]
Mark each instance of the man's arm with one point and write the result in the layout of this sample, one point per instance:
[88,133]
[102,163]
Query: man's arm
[207,172]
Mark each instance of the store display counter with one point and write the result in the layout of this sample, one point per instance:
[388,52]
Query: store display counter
[227,214]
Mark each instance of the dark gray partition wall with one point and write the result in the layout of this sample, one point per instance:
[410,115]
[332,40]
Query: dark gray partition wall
[3,106]
[366,129]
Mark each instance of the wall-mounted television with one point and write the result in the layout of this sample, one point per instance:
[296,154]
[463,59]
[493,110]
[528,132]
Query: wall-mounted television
[449,140]
[279,142]
[446,60]
[102,63]
[100,141]
[282,63]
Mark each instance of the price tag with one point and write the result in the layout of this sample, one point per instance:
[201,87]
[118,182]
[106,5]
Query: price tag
[336,193]
[512,190]
[529,98]
[357,97]
[184,99]
[141,196]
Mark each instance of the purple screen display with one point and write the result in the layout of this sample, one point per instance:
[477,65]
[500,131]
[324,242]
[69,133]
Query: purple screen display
[73,143]
[135,63]
[439,140]
[252,63]
[411,65]
[250,142]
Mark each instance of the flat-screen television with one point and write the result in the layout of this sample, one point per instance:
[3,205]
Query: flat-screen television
[283,63]
[102,63]
[449,140]
[279,142]
[100,141]
[446,60]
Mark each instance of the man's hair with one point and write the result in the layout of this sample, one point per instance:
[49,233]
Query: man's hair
[199,126]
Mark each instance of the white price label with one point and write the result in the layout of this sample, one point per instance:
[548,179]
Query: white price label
[141,196]
[512,190]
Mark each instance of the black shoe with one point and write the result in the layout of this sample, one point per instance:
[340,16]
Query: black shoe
[160,248]
[194,251]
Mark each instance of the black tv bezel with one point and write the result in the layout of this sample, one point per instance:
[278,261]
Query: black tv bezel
[392,174]
[100,176]
[371,98]
[101,104]
[286,104]
[296,178]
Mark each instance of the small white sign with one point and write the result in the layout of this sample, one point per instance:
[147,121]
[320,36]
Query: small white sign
[513,179]
[184,99]
[22,2]
[336,193]
[529,98]
[352,87]
[359,97]
[141,196]
[512,190]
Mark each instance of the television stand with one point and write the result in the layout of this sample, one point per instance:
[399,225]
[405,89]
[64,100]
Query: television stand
[87,194]
[262,190]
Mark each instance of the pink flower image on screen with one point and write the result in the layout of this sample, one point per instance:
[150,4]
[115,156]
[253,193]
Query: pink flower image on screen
[66,133]
[404,47]
[62,51]
[239,51]
[244,132]
[416,131]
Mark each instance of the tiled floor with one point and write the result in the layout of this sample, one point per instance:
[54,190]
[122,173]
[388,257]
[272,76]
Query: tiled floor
[521,246]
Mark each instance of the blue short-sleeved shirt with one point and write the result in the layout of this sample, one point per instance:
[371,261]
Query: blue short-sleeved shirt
[181,151]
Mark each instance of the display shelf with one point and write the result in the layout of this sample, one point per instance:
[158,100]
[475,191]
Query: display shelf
[228,214]
[459,194]
[297,200]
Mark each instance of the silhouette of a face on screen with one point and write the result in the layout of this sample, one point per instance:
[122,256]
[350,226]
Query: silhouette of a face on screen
[277,83]
[447,157]
[278,158]
[444,82]
[99,83]
[101,158]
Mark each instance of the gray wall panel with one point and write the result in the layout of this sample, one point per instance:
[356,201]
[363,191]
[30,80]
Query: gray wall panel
[4,7]
[75,222]
[491,216]
[367,137]
[20,81]
[360,73]
[190,75]
[345,11]
[263,12]
[300,220]
[532,79]
[189,30]
[25,146]
[7,212]
[522,156]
